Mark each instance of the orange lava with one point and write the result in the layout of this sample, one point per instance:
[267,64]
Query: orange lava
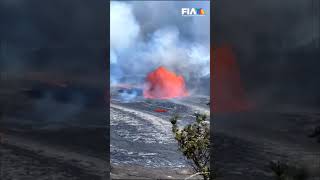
[164,84]
[159,110]
[228,90]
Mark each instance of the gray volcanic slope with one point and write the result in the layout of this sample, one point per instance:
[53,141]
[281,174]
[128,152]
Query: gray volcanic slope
[142,136]
[247,142]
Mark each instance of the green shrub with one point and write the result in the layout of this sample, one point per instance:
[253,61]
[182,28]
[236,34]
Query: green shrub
[194,142]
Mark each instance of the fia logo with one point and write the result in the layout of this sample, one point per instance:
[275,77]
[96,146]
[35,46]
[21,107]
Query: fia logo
[192,12]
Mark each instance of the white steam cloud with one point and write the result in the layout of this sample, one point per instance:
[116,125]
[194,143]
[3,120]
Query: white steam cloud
[124,28]
[140,44]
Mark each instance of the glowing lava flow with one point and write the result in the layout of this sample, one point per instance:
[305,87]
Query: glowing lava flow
[159,110]
[164,84]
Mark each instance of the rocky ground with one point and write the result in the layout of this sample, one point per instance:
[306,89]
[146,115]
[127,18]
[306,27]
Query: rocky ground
[17,163]
[247,142]
[29,158]
[142,141]
[24,157]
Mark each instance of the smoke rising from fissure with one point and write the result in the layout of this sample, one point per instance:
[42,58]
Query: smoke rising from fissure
[161,37]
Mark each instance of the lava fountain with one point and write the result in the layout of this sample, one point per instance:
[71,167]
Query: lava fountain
[228,90]
[164,84]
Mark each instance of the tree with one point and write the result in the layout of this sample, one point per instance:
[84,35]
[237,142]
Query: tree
[194,142]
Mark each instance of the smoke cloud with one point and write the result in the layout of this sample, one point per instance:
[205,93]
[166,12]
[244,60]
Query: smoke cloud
[146,35]
[47,43]
[275,48]
[53,37]
[50,110]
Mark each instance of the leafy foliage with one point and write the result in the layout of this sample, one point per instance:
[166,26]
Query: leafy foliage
[194,142]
